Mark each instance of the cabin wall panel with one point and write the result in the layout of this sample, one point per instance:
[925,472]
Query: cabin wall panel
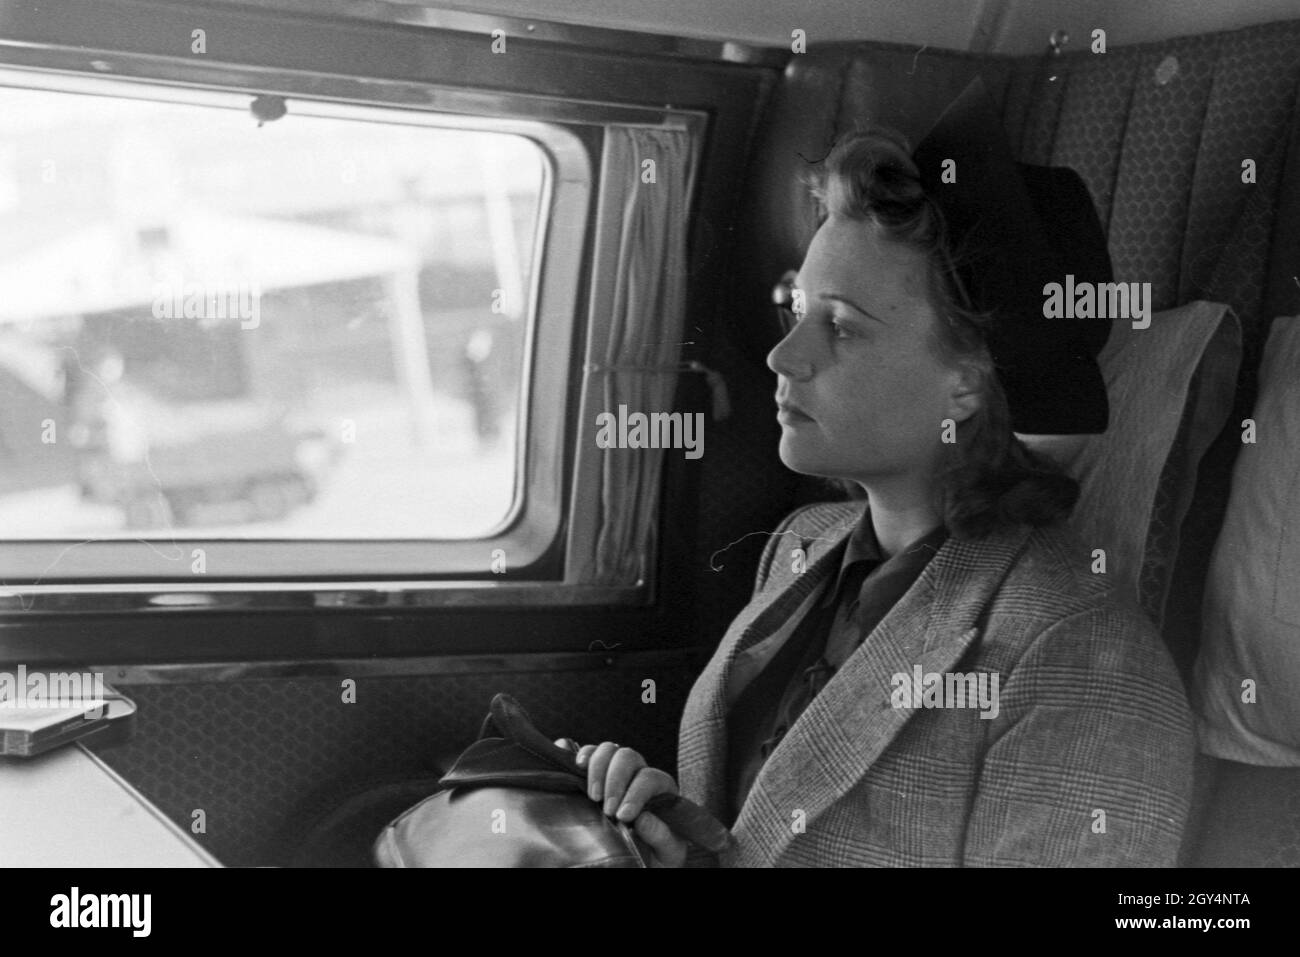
[263,759]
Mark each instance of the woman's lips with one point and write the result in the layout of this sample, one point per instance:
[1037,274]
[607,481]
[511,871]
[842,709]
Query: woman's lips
[788,414]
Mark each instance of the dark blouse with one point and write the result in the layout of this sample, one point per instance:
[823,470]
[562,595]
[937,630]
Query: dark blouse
[862,594]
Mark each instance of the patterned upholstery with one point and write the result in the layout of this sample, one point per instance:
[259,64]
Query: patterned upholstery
[1159,132]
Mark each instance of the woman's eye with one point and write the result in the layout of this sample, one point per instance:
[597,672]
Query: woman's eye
[842,329]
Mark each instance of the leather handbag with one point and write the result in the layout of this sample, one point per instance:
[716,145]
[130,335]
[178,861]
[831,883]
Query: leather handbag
[516,799]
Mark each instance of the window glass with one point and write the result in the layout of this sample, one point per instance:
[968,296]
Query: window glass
[311,328]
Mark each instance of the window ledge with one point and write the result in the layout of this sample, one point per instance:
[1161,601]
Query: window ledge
[166,598]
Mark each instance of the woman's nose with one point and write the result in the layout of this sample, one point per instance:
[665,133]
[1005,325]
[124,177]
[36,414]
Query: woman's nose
[790,357]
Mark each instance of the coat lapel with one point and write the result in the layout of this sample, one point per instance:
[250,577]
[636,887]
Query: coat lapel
[702,745]
[846,727]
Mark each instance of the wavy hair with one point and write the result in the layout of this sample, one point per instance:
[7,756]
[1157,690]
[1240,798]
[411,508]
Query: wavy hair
[990,479]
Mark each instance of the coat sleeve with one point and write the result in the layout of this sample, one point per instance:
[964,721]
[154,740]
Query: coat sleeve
[1091,762]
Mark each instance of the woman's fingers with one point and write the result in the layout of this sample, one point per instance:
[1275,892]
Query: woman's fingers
[669,849]
[597,765]
[623,767]
[647,783]
[619,778]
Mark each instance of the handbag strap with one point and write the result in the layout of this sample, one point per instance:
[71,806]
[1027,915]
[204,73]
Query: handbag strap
[508,718]
[686,818]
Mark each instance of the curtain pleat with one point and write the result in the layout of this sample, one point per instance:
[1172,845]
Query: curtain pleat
[639,367]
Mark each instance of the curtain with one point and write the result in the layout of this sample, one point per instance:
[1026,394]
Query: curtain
[635,363]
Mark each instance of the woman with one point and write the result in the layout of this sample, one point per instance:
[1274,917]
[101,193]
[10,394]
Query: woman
[936,678]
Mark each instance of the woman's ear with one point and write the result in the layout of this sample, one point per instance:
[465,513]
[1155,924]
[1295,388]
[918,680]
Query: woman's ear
[967,395]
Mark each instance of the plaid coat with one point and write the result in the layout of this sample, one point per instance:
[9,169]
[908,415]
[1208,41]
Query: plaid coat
[1088,761]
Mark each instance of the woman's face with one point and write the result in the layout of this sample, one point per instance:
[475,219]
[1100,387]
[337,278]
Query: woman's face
[860,394]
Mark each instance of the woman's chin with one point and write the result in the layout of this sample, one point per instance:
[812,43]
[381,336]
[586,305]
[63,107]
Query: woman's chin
[798,457]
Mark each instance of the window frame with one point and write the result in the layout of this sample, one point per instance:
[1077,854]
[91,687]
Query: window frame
[525,533]
[62,576]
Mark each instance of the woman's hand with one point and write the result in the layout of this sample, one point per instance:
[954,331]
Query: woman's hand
[620,779]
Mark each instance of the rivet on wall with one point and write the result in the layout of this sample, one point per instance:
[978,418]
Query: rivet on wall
[1167,70]
[1056,43]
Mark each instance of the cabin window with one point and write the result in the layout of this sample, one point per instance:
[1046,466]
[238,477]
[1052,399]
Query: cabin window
[224,334]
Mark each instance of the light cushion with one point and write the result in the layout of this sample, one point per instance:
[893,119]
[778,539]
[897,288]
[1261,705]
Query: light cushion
[1171,390]
[1251,630]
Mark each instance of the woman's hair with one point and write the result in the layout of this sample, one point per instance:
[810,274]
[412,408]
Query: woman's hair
[990,479]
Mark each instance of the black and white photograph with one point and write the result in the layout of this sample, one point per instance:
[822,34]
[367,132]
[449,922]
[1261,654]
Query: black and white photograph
[658,434]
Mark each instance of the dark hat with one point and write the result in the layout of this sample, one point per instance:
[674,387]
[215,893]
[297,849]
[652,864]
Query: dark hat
[1012,229]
